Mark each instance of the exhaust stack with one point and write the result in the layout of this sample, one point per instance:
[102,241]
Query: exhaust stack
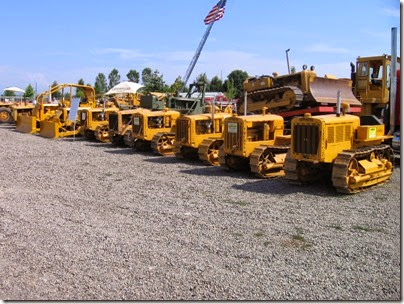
[338,103]
[393,84]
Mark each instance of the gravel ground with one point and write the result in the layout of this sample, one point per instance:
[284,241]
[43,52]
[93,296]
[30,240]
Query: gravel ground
[84,220]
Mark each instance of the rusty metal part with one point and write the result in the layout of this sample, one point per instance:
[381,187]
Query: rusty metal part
[324,90]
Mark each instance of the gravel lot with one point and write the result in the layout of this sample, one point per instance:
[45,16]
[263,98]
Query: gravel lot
[84,220]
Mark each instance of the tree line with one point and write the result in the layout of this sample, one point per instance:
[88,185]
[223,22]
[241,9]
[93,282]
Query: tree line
[153,81]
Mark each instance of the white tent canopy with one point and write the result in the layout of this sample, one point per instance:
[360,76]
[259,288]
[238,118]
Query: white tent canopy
[125,87]
[14,89]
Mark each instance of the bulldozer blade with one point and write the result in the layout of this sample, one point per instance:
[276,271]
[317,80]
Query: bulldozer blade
[325,90]
[26,124]
[49,129]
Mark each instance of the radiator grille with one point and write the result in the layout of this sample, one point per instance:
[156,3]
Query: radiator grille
[113,122]
[305,139]
[348,133]
[339,130]
[330,131]
[233,140]
[137,125]
[182,130]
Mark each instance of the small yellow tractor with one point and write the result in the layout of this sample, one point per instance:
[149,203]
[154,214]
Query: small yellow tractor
[256,142]
[200,135]
[347,147]
[95,119]
[156,129]
[9,110]
[119,129]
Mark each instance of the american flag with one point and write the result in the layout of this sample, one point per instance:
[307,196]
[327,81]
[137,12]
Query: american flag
[219,9]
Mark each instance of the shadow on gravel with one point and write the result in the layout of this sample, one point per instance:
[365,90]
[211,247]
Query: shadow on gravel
[282,186]
[217,171]
[72,139]
[7,126]
[158,159]
[120,151]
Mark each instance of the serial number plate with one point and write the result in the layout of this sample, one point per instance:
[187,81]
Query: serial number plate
[232,127]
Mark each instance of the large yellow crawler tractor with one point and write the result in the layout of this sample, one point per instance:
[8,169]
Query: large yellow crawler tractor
[288,95]
[255,141]
[197,135]
[346,146]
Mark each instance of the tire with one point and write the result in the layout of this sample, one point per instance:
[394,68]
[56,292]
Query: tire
[5,115]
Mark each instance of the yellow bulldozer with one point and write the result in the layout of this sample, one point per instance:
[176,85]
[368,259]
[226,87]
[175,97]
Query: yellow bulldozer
[94,120]
[256,142]
[295,94]
[29,122]
[200,135]
[347,147]
[52,120]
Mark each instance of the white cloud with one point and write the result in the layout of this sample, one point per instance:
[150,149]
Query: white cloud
[323,48]
[123,53]
[391,12]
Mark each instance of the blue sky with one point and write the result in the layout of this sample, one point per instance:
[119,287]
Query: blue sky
[45,41]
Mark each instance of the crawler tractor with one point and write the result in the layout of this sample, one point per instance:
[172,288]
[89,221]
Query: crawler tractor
[197,135]
[156,129]
[297,93]
[255,141]
[344,146]
[119,128]
[95,119]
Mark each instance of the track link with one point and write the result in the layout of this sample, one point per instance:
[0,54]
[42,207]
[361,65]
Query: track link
[268,161]
[208,151]
[162,143]
[344,168]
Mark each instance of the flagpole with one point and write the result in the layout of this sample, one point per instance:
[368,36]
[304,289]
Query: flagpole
[199,49]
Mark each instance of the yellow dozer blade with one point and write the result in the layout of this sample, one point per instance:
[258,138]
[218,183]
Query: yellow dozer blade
[26,124]
[325,90]
[49,129]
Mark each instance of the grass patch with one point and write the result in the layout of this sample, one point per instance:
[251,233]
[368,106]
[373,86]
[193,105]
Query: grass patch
[258,234]
[299,237]
[366,229]
[266,243]
[336,227]
[237,203]
[108,174]
[298,240]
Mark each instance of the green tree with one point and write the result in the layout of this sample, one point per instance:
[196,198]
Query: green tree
[231,90]
[177,85]
[100,85]
[29,92]
[9,93]
[114,78]
[216,85]
[146,76]
[79,91]
[133,76]
[155,83]
[237,77]
[56,94]
[202,78]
